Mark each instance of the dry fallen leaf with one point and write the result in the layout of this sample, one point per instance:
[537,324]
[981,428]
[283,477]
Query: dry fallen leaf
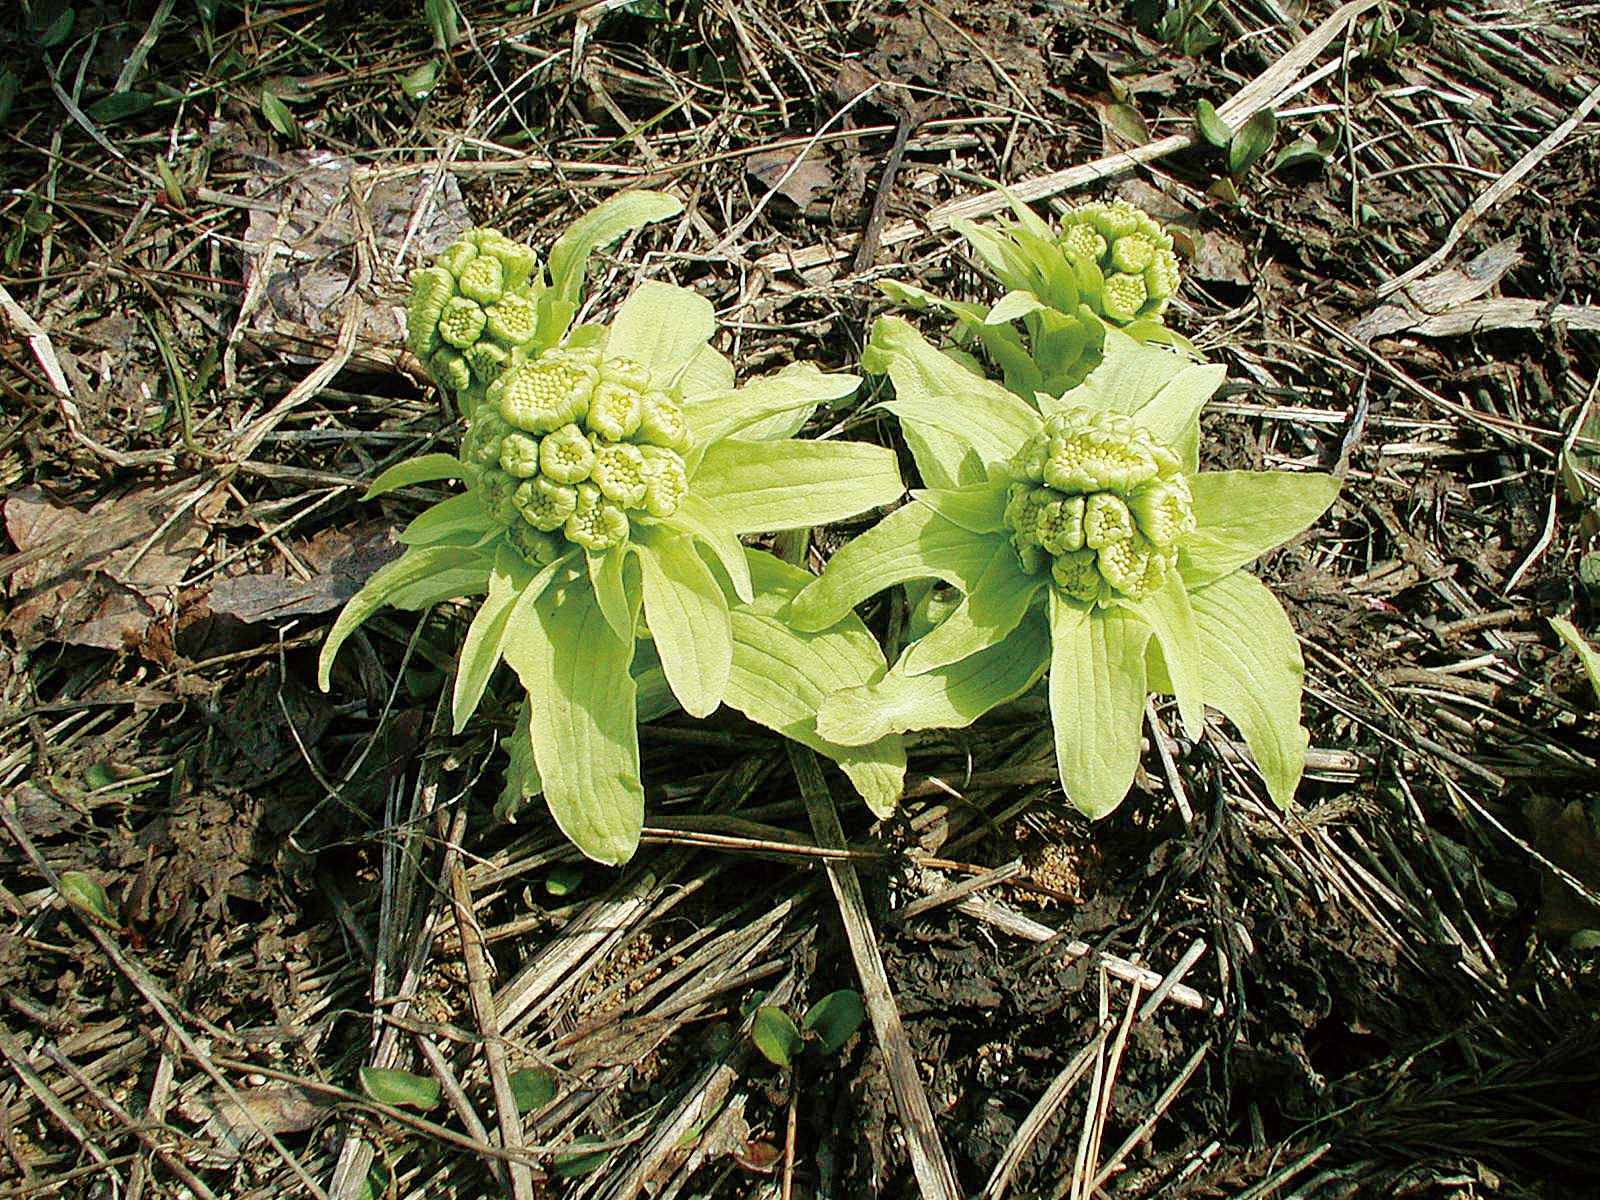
[1567,836]
[99,578]
[341,561]
[232,1127]
[801,185]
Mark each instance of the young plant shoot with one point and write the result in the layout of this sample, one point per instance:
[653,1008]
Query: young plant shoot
[610,471]
[1088,546]
[1105,266]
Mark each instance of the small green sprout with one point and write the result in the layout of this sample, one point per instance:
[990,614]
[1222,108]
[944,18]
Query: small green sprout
[1088,545]
[827,1025]
[1104,266]
[610,470]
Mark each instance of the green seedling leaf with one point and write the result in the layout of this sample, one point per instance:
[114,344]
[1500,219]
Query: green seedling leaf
[834,1019]
[278,115]
[376,1184]
[425,468]
[775,1035]
[575,1159]
[1254,138]
[418,84]
[1212,127]
[563,880]
[85,894]
[533,1088]
[444,23]
[1296,153]
[171,184]
[402,1089]
[1125,119]
[119,106]
[59,30]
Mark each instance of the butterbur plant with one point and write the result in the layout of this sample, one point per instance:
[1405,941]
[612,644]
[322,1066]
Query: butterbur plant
[609,472]
[1104,266]
[1086,545]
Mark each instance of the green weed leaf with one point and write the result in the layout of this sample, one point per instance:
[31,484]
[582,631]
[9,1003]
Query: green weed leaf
[834,1019]
[775,1035]
[85,894]
[402,1089]
[532,1088]
[1212,127]
[1253,139]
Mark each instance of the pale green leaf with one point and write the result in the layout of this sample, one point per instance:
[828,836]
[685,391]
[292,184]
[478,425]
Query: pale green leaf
[582,719]
[797,387]
[619,603]
[1097,691]
[599,227]
[935,393]
[688,618]
[950,697]
[1170,617]
[1240,515]
[414,567]
[708,372]
[1013,306]
[978,509]
[425,468]
[775,1035]
[1253,672]
[781,676]
[1128,376]
[401,1089]
[1587,656]
[913,542]
[994,607]
[84,893]
[834,1019]
[1174,410]
[764,487]
[480,649]
[655,698]
[704,523]
[461,519]
[662,327]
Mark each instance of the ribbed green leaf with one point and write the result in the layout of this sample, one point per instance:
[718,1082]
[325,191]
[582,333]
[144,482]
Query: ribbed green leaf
[582,714]
[688,619]
[950,697]
[1173,411]
[425,468]
[980,509]
[480,649]
[991,610]
[415,570]
[460,519]
[1171,619]
[704,523]
[913,542]
[935,393]
[799,386]
[663,328]
[1240,515]
[600,226]
[1097,691]
[619,602]
[781,676]
[764,487]
[1127,377]
[1253,672]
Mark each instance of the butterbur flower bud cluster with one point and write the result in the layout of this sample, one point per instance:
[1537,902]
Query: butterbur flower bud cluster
[567,444]
[472,311]
[1100,504]
[1134,255]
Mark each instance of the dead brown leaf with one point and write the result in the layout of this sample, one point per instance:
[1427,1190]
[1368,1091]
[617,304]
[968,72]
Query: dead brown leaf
[1567,836]
[800,185]
[233,1126]
[342,560]
[99,578]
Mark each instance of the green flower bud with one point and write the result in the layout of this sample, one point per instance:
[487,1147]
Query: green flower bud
[615,412]
[481,444]
[541,396]
[519,455]
[624,372]
[566,455]
[545,504]
[499,491]
[461,322]
[620,473]
[662,421]
[1133,254]
[597,524]
[535,546]
[666,481]
[482,280]
[1099,502]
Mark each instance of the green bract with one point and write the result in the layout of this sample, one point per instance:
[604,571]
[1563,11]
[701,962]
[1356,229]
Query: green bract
[610,471]
[1086,544]
[1106,265]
